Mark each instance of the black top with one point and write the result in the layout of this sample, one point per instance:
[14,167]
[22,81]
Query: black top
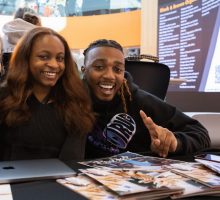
[43,136]
[116,133]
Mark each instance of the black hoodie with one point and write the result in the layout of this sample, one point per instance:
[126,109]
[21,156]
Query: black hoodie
[115,133]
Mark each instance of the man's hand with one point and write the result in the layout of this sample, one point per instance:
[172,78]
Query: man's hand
[163,141]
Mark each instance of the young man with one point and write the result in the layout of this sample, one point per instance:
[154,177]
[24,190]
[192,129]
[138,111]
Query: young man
[128,118]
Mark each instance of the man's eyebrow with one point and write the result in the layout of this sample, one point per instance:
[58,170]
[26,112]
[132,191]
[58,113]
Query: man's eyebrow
[104,60]
[119,62]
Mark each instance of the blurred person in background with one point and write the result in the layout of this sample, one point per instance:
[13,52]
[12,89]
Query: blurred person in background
[24,20]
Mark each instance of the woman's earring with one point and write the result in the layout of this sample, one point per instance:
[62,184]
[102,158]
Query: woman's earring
[83,69]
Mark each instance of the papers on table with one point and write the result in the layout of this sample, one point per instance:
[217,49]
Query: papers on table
[133,176]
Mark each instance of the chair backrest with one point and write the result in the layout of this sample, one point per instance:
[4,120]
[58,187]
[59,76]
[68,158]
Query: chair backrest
[211,121]
[150,76]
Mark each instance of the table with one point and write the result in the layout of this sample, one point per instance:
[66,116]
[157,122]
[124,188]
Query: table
[50,190]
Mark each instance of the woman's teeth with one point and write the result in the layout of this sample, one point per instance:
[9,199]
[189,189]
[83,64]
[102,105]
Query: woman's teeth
[50,74]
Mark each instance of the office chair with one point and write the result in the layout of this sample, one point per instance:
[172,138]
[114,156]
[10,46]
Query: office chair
[152,77]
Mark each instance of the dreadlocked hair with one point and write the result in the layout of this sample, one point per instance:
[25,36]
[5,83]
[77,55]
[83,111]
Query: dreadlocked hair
[124,90]
[102,43]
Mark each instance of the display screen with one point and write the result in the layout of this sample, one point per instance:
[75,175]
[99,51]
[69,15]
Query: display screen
[189,43]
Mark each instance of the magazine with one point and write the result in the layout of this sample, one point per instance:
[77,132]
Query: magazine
[120,181]
[124,182]
[133,176]
[215,166]
[93,190]
[111,161]
[198,172]
[190,187]
[129,160]
[87,187]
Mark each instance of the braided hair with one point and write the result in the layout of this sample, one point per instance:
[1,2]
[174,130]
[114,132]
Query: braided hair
[124,90]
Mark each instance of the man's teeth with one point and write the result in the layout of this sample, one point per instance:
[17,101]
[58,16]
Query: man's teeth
[106,86]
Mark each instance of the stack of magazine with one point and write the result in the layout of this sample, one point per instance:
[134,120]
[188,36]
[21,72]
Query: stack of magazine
[133,176]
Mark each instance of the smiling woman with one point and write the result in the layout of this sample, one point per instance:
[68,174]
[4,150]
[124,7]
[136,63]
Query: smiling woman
[44,109]
[46,64]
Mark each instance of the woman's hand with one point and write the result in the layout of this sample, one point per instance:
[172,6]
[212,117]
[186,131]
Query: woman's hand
[163,140]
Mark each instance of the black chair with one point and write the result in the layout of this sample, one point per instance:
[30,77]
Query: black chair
[152,77]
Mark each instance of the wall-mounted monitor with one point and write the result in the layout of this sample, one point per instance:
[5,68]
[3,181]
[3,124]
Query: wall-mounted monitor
[189,43]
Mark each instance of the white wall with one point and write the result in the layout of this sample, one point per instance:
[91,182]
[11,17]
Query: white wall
[149,27]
